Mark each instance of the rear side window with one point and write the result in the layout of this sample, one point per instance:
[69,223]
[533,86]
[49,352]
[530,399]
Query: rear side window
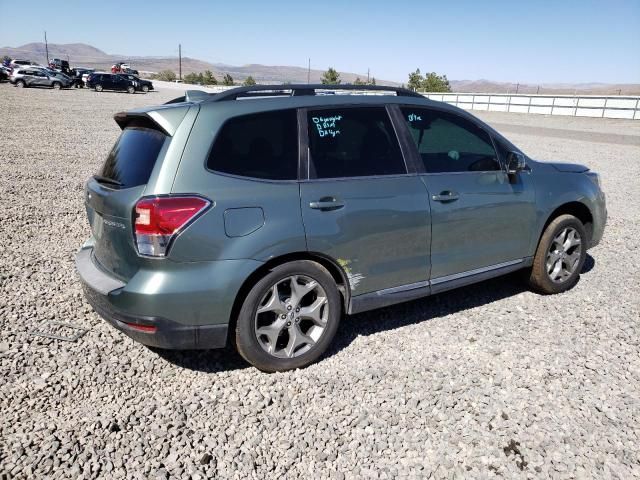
[262,145]
[133,156]
[449,143]
[353,142]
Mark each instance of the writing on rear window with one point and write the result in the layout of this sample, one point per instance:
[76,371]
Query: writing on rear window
[412,117]
[327,126]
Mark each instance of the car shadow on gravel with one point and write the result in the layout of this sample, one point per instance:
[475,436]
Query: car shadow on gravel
[369,323]
[208,361]
[429,308]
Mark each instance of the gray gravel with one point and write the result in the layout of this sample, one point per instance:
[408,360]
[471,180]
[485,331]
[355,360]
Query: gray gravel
[487,381]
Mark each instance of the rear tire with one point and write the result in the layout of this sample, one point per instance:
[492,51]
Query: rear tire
[560,256]
[130,89]
[98,88]
[289,317]
[56,85]
[20,84]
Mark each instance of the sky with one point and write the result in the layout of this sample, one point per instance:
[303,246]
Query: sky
[510,41]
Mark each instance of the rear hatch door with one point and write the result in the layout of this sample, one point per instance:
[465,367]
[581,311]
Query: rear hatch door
[111,195]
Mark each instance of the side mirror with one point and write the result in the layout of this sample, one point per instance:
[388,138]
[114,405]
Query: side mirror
[516,162]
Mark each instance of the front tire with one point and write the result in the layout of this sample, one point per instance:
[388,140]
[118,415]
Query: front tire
[560,256]
[20,84]
[56,85]
[98,88]
[145,88]
[289,317]
[130,89]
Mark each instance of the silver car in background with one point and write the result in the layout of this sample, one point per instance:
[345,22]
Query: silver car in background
[39,77]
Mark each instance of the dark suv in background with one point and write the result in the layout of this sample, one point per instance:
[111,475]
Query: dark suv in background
[113,81]
[140,84]
[263,214]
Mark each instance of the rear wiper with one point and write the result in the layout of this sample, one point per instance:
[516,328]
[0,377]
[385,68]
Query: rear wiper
[111,181]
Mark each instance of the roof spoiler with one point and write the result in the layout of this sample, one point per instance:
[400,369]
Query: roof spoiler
[167,120]
[190,96]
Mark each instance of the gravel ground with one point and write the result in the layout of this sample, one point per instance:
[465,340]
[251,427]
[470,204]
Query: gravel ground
[488,381]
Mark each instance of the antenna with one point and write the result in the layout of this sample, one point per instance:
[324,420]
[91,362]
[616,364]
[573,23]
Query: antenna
[309,72]
[46,46]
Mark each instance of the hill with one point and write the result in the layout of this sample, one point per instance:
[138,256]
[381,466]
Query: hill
[80,54]
[488,86]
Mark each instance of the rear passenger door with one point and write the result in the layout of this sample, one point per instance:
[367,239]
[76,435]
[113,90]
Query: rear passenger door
[251,174]
[116,82]
[481,219]
[30,78]
[361,204]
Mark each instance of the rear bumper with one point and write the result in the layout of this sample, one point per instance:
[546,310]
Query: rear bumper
[165,334]
[139,319]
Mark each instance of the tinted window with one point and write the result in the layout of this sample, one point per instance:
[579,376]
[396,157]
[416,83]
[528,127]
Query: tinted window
[133,156]
[353,142]
[449,143]
[263,145]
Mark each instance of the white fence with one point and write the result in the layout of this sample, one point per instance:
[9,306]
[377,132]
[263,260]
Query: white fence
[576,106]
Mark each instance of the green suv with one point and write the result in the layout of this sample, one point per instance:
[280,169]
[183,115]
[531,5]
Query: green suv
[259,216]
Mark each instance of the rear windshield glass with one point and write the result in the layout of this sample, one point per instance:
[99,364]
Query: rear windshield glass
[133,156]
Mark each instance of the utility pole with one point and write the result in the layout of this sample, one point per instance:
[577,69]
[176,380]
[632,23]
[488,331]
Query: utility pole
[180,61]
[517,86]
[367,76]
[46,46]
[538,90]
[309,72]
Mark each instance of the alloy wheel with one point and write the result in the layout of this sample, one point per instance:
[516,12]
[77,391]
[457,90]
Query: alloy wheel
[563,256]
[291,317]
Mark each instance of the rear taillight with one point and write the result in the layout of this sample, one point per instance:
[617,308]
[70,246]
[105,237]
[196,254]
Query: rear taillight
[158,220]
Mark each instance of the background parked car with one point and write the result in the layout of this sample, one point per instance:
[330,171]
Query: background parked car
[108,81]
[4,73]
[78,75]
[38,77]
[21,63]
[60,66]
[140,84]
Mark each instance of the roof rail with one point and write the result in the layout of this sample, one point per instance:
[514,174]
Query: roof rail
[302,89]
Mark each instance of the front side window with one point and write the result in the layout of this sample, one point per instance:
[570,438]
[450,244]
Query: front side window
[263,145]
[449,143]
[353,142]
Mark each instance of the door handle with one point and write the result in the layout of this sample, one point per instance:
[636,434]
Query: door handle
[326,204]
[446,196]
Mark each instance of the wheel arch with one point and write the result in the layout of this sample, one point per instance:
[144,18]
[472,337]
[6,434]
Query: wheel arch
[576,208]
[334,268]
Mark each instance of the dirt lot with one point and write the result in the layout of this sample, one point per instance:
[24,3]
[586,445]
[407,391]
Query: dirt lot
[491,380]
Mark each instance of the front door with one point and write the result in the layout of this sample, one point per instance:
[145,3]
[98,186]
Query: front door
[481,219]
[360,205]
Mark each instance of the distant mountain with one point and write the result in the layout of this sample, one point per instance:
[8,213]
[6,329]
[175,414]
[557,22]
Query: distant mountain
[488,86]
[80,54]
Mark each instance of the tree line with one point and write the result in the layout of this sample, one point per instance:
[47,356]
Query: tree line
[431,82]
[205,78]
